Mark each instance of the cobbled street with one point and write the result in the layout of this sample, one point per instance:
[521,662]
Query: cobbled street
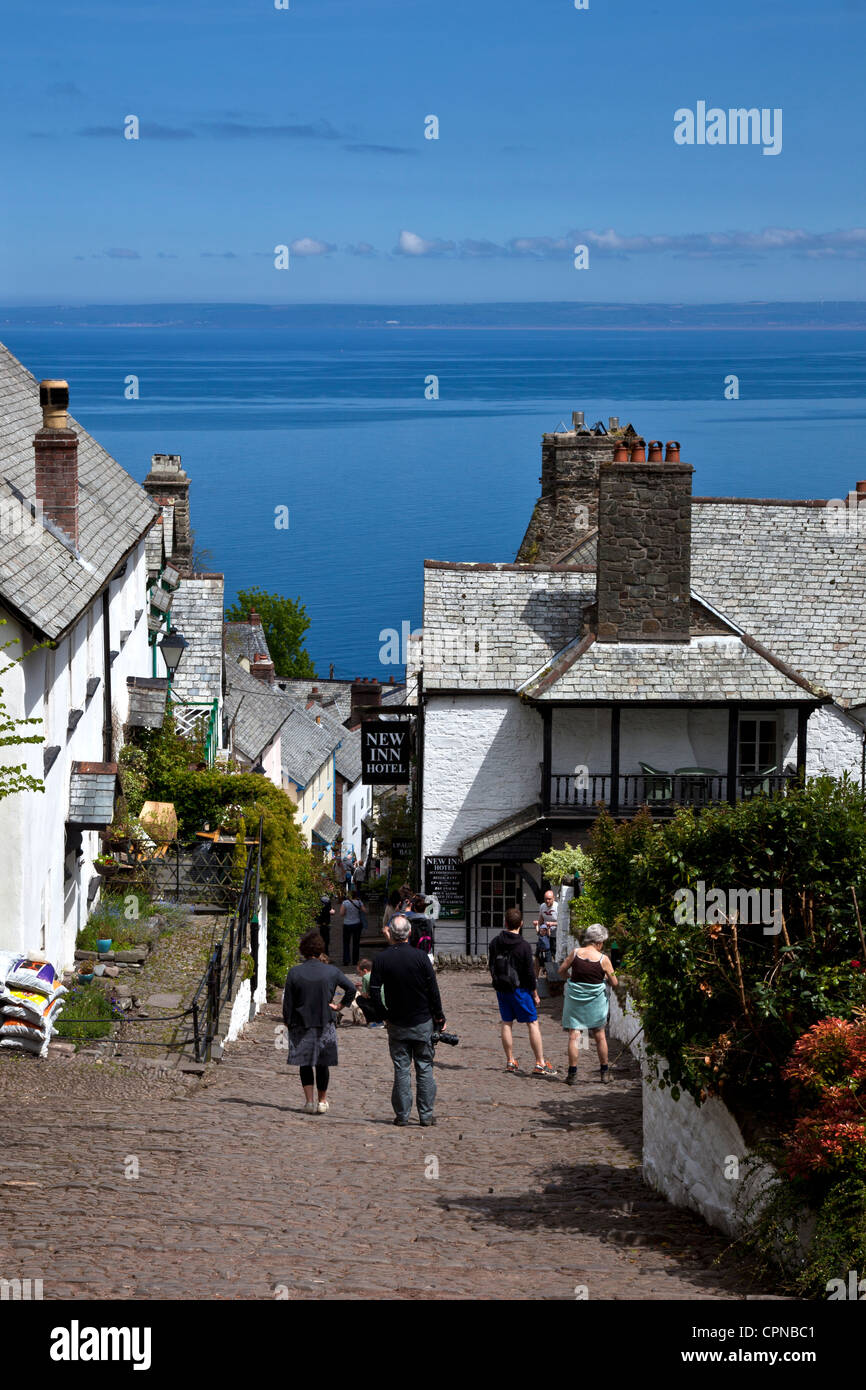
[240,1195]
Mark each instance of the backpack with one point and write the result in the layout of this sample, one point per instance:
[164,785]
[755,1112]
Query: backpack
[422,935]
[503,973]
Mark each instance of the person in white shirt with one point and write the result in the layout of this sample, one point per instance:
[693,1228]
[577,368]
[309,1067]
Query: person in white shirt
[545,927]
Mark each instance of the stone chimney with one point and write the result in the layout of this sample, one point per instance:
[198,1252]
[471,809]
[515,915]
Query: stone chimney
[568,506]
[55,447]
[364,692]
[262,668]
[169,486]
[644,547]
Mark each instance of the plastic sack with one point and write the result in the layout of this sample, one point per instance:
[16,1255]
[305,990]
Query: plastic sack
[31,974]
[30,1006]
[6,959]
[17,1033]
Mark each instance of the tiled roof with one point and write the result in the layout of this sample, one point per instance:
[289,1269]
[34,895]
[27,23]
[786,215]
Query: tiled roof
[347,757]
[255,720]
[46,581]
[266,710]
[91,794]
[784,575]
[492,627]
[197,612]
[706,668]
[147,696]
[496,834]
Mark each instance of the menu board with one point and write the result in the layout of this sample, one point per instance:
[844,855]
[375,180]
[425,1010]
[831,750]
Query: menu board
[443,875]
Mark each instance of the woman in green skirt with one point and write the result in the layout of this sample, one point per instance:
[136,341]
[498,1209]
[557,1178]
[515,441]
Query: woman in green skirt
[585,1005]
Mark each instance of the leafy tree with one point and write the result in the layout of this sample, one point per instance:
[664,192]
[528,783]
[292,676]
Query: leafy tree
[14,777]
[284,622]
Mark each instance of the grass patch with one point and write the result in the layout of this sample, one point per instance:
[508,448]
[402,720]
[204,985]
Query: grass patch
[88,1013]
[109,920]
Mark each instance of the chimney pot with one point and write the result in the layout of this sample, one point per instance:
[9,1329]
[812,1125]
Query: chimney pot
[613,423]
[54,400]
[577,419]
[672,451]
[655,451]
[638,451]
[861,486]
[620,454]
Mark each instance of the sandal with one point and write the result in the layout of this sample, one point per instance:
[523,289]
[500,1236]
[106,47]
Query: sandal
[513,1068]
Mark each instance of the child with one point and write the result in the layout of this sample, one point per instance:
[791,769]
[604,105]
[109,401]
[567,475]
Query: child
[363,1003]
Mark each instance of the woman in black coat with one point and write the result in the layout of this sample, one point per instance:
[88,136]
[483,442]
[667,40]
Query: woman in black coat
[308,1013]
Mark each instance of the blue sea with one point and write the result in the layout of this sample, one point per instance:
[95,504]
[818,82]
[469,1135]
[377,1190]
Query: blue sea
[332,422]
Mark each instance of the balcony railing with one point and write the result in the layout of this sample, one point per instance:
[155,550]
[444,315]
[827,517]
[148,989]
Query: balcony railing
[576,793]
[197,719]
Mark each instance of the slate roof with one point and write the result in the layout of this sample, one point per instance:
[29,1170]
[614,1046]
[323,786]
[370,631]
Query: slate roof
[492,627]
[256,714]
[160,540]
[197,612]
[91,794]
[703,669]
[244,640]
[46,581]
[497,834]
[147,696]
[327,829]
[784,574]
[305,746]
[347,757]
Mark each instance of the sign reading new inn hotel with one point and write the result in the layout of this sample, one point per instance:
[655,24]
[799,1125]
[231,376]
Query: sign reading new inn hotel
[385,750]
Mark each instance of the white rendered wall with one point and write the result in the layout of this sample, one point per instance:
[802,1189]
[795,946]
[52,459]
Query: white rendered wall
[356,803]
[579,737]
[671,738]
[482,763]
[694,1155]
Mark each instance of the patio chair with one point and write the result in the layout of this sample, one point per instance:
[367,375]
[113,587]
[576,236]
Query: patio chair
[758,783]
[658,785]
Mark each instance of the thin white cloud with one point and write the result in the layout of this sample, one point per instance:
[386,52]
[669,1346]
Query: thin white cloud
[411,244]
[308,246]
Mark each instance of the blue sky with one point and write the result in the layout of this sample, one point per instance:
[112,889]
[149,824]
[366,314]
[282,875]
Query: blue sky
[304,127]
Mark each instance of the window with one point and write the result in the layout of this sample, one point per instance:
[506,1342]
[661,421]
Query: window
[498,889]
[759,743]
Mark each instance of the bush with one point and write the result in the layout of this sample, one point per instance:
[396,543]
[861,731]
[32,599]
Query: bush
[724,1002]
[91,1004]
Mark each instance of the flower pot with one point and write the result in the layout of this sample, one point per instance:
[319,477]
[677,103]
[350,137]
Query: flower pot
[104,945]
[85,979]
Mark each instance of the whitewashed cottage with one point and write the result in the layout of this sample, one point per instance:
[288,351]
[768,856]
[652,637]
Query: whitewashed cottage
[648,647]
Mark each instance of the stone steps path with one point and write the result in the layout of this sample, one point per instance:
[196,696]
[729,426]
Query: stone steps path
[242,1195]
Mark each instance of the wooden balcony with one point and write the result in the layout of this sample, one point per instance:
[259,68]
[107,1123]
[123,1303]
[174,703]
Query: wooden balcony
[581,795]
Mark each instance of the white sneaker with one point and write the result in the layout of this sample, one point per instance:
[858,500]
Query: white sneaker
[309,1107]
[324,1106]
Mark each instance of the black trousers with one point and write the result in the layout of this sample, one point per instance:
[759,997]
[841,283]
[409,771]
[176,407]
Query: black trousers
[323,1076]
[351,943]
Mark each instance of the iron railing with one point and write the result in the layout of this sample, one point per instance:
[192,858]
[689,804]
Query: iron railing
[217,984]
[576,793]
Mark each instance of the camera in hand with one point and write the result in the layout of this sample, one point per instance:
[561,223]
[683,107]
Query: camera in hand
[450,1039]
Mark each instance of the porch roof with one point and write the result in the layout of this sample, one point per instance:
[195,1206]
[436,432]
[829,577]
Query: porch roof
[147,697]
[702,670]
[91,794]
[503,830]
[326,829]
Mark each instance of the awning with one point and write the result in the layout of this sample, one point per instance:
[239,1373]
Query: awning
[147,696]
[327,830]
[92,788]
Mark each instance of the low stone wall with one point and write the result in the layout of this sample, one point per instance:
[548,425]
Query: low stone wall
[694,1155]
[249,1000]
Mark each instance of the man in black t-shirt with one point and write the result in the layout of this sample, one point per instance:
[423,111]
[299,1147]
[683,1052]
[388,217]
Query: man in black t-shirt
[510,961]
[403,983]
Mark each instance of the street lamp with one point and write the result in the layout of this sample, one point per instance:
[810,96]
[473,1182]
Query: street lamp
[172,646]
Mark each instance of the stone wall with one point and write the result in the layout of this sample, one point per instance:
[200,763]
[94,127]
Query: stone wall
[568,506]
[644,552]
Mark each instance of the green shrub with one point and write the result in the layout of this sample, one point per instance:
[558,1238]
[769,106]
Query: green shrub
[109,919]
[91,1004]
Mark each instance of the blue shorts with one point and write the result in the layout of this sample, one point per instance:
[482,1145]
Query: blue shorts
[519,1006]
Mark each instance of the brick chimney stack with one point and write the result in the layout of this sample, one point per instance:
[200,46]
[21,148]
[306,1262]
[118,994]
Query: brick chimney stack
[364,692]
[262,668]
[168,485]
[644,547]
[55,447]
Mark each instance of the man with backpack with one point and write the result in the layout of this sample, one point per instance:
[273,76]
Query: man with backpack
[513,976]
[421,924]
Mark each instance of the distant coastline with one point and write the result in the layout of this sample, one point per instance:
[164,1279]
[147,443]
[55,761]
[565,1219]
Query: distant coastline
[527,317]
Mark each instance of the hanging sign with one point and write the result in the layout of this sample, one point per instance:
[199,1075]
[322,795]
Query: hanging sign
[385,750]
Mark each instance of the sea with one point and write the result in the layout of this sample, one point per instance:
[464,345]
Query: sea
[383,444]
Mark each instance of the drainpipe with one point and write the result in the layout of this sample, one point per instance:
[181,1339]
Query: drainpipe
[106,667]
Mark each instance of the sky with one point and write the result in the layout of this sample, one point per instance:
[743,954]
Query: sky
[304,127]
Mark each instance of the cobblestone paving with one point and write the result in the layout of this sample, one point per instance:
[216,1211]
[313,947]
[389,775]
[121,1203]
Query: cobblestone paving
[242,1195]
